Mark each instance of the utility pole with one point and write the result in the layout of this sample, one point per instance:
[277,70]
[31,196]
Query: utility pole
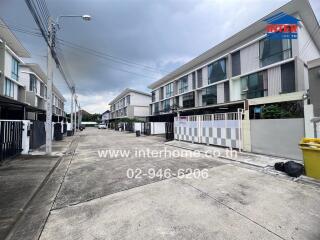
[71,114]
[75,112]
[51,31]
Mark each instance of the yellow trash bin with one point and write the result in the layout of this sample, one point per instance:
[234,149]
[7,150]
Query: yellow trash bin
[311,156]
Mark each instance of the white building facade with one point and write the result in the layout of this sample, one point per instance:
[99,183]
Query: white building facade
[246,72]
[130,104]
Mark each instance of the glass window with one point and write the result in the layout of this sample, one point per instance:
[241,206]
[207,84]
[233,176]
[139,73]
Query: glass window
[9,88]
[128,99]
[156,108]
[15,69]
[183,84]
[169,90]
[287,78]
[209,95]
[33,83]
[226,92]
[217,71]
[199,78]
[166,105]
[274,50]
[254,85]
[188,100]
[153,96]
[194,80]
[236,64]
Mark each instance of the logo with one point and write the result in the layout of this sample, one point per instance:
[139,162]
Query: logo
[282,26]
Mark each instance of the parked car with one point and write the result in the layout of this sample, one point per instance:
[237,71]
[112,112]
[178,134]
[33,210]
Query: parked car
[102,126]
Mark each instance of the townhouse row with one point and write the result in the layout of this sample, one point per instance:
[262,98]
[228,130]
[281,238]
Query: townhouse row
[250,91]
[248,65]
[23,86]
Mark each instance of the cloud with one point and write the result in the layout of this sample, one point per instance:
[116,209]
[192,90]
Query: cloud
[161,34]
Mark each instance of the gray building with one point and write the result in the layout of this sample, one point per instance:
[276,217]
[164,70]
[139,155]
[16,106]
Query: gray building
[130,103]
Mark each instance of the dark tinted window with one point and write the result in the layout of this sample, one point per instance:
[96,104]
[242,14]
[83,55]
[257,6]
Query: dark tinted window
[209,95]
[287,78]
[188,100]
[236,65]
[226,92]
[199,78]
[217,71]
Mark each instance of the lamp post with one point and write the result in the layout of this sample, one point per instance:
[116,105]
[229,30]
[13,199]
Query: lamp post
[52,28]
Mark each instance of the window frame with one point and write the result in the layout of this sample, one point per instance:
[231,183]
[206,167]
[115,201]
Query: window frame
[214,77]
[169,90]
[188,100]
[282,52]
[15,69]
[183,84]
[207,95]
[9,84]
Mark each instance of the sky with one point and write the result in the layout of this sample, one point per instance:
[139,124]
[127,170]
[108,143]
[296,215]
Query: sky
[132,43]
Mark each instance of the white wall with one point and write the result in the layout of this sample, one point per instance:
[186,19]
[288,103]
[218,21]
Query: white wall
[274,81]
[235,89]
[8,62]
[307,48]
[158,128]
[249,58]
[205,76]
[139,111]
[139,99]
[24,77]
[220,93]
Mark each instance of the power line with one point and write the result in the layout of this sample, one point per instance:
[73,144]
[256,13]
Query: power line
[111,57]
[82,49]
[120,69]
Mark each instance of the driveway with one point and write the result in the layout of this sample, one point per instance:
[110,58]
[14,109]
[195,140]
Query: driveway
[98,200]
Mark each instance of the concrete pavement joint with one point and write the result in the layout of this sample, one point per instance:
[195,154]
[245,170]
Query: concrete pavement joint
[72,152]
[232,209]
[21,212]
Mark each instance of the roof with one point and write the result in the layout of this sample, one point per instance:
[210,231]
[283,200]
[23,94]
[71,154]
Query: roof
[314,63]
[302,7]
[108,111]
[12,41]
[127,91]
[37,70]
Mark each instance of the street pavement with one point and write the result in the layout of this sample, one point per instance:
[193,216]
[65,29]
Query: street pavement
[96,199]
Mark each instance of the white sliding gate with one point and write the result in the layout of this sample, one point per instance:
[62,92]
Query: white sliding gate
[222,129]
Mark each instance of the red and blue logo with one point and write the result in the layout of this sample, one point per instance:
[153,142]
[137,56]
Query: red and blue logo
[282,26]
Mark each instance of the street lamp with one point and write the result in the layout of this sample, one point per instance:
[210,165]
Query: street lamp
[84,17]
[52,27]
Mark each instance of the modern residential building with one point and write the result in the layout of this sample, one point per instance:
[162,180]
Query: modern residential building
[130,104]
[35,82]
[12,92]
[23,90]
[245,66]
[105,117]
[247,71]
[58,102]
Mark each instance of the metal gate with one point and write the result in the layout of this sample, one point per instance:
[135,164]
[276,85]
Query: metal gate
[169,131]
[10,138]
[129,127]
[146,128]
[37,134]
[222,129]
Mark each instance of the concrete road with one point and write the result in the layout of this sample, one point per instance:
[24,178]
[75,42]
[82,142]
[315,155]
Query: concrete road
[97,200]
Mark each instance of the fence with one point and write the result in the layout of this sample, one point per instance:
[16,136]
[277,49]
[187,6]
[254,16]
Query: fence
[223,129]
[10,138]
[37,134]
[169,131]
